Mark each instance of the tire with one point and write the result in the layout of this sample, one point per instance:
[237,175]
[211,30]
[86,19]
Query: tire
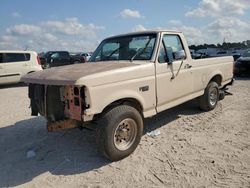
[119,132]
[209,99]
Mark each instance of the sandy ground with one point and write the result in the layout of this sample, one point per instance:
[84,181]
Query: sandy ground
[194,149]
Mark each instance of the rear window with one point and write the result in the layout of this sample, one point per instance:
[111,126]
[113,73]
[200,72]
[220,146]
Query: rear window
[27,56]
[15,57]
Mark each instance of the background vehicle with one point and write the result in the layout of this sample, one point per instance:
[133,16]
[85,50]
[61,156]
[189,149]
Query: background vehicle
[15,64]
[58,58]
[196,55]
[242,64]
[84,57]
[87,56]
[130,77]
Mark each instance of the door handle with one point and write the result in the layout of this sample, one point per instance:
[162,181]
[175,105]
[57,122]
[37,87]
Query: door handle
[187,66]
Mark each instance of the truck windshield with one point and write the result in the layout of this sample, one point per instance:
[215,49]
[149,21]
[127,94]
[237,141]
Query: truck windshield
[131,47]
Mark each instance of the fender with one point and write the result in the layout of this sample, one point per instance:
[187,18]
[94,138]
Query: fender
[99,101]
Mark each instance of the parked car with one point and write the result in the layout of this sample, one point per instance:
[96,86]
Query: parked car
[196,55]
[15,64]
[79,56]
[242,64]
[58,58]
[235,55]
[84,57]
[130,77]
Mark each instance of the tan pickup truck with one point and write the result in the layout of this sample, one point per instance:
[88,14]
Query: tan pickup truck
[128,78]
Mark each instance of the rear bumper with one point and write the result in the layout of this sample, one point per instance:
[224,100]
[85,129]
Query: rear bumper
[230,83]
[227,84]
[223,91]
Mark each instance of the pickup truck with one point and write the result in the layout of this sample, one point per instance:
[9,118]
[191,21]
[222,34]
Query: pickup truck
[128,78]
[58,58]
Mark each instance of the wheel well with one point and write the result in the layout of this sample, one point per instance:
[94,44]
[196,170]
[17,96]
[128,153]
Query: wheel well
[126,101]
[217,78]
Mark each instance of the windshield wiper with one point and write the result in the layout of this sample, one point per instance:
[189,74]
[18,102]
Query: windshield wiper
[114,51]
[141,50]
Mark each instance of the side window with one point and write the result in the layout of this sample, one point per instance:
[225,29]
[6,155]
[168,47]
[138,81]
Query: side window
[27,56]
[55,56]
[162,54]
[1,57]
[170,48]
[13,57]
[64,55]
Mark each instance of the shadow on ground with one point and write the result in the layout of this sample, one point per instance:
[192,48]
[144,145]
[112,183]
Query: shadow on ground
[59,153]
[167,116]
[245,76]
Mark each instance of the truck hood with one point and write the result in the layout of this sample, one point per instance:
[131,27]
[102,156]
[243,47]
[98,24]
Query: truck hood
[79,74]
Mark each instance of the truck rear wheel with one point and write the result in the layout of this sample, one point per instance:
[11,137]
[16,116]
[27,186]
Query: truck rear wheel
[119,132]
[209,99]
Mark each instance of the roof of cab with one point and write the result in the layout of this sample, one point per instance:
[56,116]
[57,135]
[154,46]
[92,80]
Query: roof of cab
[145,32]
[17,51]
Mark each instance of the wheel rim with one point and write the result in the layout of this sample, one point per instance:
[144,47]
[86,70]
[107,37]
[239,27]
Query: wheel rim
[213,96]
[125,134]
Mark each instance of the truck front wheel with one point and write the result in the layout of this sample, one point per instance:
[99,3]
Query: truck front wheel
[209,99]
[119,132]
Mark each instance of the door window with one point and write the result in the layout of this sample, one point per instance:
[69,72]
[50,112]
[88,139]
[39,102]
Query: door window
[169,46]
[13,57]
[64,55]
[55,56]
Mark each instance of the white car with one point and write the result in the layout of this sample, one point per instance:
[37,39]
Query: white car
[15,64]
[86,55]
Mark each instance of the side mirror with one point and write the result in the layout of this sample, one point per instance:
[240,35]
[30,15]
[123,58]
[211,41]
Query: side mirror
[170,57]
[180,55]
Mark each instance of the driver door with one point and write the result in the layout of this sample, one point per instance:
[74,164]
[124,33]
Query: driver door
[174,79]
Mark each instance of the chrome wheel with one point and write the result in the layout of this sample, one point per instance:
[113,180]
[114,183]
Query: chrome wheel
[125,134]
[213,96]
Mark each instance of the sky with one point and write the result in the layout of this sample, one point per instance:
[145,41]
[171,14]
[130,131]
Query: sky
[80,25]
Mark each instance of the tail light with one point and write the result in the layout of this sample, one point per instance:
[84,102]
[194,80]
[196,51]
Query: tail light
[38,60]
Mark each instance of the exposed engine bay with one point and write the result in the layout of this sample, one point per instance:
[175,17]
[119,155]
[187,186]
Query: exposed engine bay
[63,106]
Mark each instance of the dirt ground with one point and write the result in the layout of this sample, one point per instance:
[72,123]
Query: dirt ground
[194,149]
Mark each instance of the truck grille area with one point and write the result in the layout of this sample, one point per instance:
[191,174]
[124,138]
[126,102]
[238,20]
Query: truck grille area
[54,104]
[57,103]
[36,95]
[74,102]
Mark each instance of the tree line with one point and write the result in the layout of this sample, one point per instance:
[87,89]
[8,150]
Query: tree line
[224,45]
